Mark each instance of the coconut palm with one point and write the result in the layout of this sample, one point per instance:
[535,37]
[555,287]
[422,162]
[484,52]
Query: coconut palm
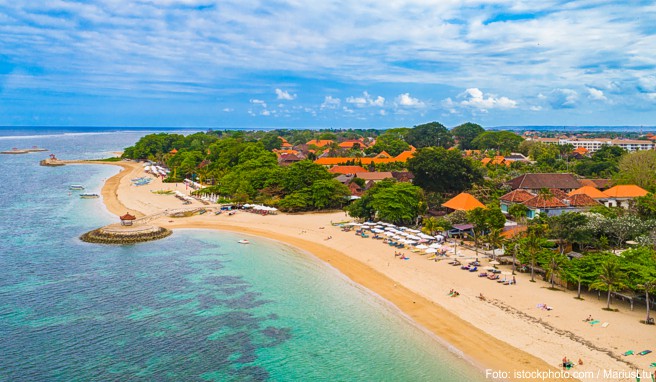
[495,239]
[649,286]
[610,278]
[554,266]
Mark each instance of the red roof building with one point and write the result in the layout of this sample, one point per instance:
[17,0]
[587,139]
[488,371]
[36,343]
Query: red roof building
[127,219]
[347,169]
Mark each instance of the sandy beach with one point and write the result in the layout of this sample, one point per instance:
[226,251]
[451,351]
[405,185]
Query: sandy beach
[506,332]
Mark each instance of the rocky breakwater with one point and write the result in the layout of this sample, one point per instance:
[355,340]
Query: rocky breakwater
[120,234]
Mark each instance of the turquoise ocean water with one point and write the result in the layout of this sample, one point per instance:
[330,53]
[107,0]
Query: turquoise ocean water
[195,306]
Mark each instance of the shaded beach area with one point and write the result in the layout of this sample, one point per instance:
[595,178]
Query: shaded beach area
[506,331]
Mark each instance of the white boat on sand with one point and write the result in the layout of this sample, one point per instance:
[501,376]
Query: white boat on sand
[243,241]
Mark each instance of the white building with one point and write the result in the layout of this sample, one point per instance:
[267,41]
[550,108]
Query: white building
[594,144]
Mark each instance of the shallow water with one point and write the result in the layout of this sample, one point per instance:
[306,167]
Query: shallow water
[194,306]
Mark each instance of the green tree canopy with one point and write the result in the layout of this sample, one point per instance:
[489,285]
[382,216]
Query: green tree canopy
[638,168]
[466,133]
[390,142]
[429,134]
[504,141]
[439,170]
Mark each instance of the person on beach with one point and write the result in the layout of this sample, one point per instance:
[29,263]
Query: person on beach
[589,318]
[565,362]
[580,362]
[514,281]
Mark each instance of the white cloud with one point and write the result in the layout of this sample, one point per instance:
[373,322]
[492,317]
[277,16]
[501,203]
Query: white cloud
[265,112]
[259,102]
[382,112]
[228,110]
[366,100]
[330,102]
[347,110]
[284,95]
[406,100]
[535,108]
[596,94]
[563,98]
[474,98]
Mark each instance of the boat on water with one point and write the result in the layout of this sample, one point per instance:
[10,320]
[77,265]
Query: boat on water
[243,241]
[23,151]
[76,187]
[89,196]
[15,151]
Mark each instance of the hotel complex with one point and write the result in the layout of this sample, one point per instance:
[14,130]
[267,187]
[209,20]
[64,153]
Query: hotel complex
[594,144]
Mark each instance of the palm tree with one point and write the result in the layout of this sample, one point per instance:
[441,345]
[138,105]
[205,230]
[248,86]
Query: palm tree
[495,239]
[554,266]
[430,226]
[610,278]
[649,286]
[533,245]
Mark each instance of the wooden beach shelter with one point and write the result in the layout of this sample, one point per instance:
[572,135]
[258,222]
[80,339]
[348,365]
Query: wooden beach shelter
[463,202]
[127,219]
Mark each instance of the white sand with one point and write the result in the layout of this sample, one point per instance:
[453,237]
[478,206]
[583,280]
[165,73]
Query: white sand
[506,332]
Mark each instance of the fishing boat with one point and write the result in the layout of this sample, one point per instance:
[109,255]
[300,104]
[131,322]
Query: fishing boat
[76,187]
[243,241]
[89,196]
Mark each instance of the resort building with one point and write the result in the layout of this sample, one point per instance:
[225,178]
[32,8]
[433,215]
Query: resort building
[463,202]
[536,182]
[623,195]
[594,144]
[374,176]
[554,203]
[385,158]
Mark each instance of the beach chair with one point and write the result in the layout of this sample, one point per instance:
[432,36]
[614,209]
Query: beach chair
[594,322]
[474,269]
[605,325]
[482,274]
[644,352]
[628,352]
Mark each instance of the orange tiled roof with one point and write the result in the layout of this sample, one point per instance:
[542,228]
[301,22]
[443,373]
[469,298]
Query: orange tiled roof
[403,157]
[352,142]
[592,192]
[581,150]
[463,202]
[541,201]
[282,139]
[347,169]
[485,161]
[286,144]
[517,196]
[383,154]
[560,194]
[320,143]
[625,191]
[582,200]
[514,231]
[174,151]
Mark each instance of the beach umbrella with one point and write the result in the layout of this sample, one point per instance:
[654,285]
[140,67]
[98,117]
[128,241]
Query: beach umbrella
[421,246]
[494,262]
[431,250]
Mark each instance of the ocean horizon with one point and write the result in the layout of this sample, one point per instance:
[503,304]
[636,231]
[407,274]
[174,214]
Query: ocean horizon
[194,306]
[26,132]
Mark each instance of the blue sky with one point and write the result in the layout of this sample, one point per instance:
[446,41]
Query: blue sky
[287,63]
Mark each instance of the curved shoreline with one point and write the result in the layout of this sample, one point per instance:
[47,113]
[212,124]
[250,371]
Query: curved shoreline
[483,350]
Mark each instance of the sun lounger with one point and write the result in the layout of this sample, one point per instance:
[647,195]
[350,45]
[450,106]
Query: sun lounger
[594,322]
[474,269]
[482,274]
[628,352]
[605,325]
[653,364]
[644,352]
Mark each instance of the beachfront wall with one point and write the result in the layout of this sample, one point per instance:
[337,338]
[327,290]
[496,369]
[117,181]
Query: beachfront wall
[619,202]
